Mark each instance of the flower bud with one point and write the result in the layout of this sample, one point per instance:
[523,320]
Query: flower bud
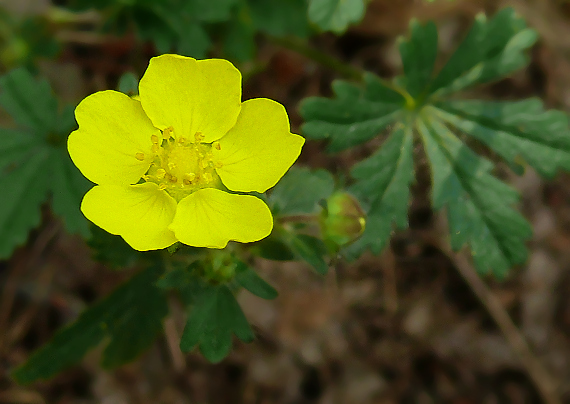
[342,221]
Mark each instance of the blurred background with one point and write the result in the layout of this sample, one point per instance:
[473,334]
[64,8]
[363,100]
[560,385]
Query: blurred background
[403,327]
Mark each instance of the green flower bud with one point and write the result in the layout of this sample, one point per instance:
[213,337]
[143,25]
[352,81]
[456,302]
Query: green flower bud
[342,220]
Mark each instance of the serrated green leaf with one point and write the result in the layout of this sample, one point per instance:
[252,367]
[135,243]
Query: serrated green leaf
[68,188]
[418,56]
[491,50]
[300,190]
[272,248]
[30,102]
[131,316]
[383,183]
[194,42]
[311,250]
[354,116]
[280,17]
[15,144]
[112,250]
[515,130]
[24,186]
[213,318]
[34,161]
[336,15]
[250,280]
[239,40]
[210,10]
[479,206]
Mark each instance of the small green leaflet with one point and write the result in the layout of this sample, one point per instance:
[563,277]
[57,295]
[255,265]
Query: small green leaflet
[251,281]
[389,172]
[355,116]
[34,163]
[480,208]
[312,250]
[336,15]
[213,312]
[130,317]
[300,191]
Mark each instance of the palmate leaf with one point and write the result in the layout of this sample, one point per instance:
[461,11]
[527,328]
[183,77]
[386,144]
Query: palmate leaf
[130,317]
[479,207]
[34,163]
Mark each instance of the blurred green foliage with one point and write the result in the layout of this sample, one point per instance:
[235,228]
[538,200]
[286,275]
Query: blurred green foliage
[316,214]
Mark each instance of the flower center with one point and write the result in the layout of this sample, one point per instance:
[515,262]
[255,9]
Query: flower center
[182,166]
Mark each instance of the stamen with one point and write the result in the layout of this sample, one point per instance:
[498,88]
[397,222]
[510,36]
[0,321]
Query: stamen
[146,177]
[167,133]
[198,136]
[217,145]
[160,173]
[173,179]
[155,148]
[162,186]
[139,156]
[189,177]
[154,139]
[182,140]
[205,163]
[171,166]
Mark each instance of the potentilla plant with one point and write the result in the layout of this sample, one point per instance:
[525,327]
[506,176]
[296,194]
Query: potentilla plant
[172,172]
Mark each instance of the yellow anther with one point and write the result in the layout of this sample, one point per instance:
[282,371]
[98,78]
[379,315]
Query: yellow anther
[189,177]
[162,186]
[171,166]
[173,178]
[167,133]
[154,139]
[146,177]
[160,173]
[139,156]
[198,136]
[217,145]
[205,163]
[182,140]
[207,178]
[155,148]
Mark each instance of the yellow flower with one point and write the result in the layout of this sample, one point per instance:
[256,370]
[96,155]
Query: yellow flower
[164,163]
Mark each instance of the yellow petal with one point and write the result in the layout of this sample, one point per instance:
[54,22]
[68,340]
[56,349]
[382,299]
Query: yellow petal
[139,213]
[113,132]
[210,218]
[191,96]
[259,149]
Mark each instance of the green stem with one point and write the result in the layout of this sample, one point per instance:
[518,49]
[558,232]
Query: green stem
[303,48]
[300,46]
